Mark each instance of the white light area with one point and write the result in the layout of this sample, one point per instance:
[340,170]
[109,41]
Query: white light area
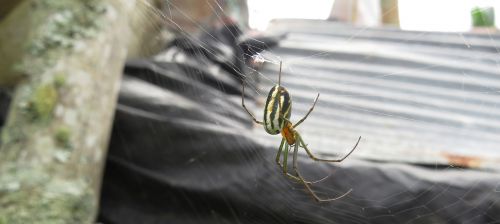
[441,15]
[261,12]
[421,15]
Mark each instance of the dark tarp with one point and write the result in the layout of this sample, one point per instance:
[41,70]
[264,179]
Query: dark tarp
[183,151]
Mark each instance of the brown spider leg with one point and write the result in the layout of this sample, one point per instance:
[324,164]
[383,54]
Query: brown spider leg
[326,160]
[243,104]
[308,112]
[308,188]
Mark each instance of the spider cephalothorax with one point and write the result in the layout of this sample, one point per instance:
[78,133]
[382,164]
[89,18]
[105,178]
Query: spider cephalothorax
[288,133]
[277,113]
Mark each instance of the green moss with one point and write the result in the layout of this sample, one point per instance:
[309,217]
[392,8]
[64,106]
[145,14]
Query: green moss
[42,102]
[14,174]
[59,80]
[58,27]
[4,137]
[31,195]
[32,206]
[69,23]
[62,137]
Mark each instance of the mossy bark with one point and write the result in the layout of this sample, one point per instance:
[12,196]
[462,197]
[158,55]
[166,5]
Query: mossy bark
[67,70]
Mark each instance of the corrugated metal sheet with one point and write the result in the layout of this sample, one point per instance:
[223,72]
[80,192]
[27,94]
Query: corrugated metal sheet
[418,97]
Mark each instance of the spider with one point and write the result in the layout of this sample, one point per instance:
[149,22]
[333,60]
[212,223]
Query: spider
[276,120]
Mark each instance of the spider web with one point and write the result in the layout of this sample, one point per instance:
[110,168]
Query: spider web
[426,105]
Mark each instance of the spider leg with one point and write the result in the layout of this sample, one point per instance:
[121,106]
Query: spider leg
[308,112]
[285,157]
[243,104]
[279,152]
[285,161]
[308,188]
[325,160]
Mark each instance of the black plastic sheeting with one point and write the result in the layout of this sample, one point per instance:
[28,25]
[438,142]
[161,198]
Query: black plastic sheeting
[183,151]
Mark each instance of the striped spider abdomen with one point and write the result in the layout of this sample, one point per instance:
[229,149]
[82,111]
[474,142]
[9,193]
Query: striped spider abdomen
[278,106]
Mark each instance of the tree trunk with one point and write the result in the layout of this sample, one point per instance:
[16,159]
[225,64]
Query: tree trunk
[67,76]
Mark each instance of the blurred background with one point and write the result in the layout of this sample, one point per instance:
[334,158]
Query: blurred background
[119,111]
[440,16]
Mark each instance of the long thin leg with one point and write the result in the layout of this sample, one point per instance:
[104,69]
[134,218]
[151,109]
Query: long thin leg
[325,160]
[243,104]
[285,162]
[278,95]
[285,158]
[279,152]
[308,188]
[310,110]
